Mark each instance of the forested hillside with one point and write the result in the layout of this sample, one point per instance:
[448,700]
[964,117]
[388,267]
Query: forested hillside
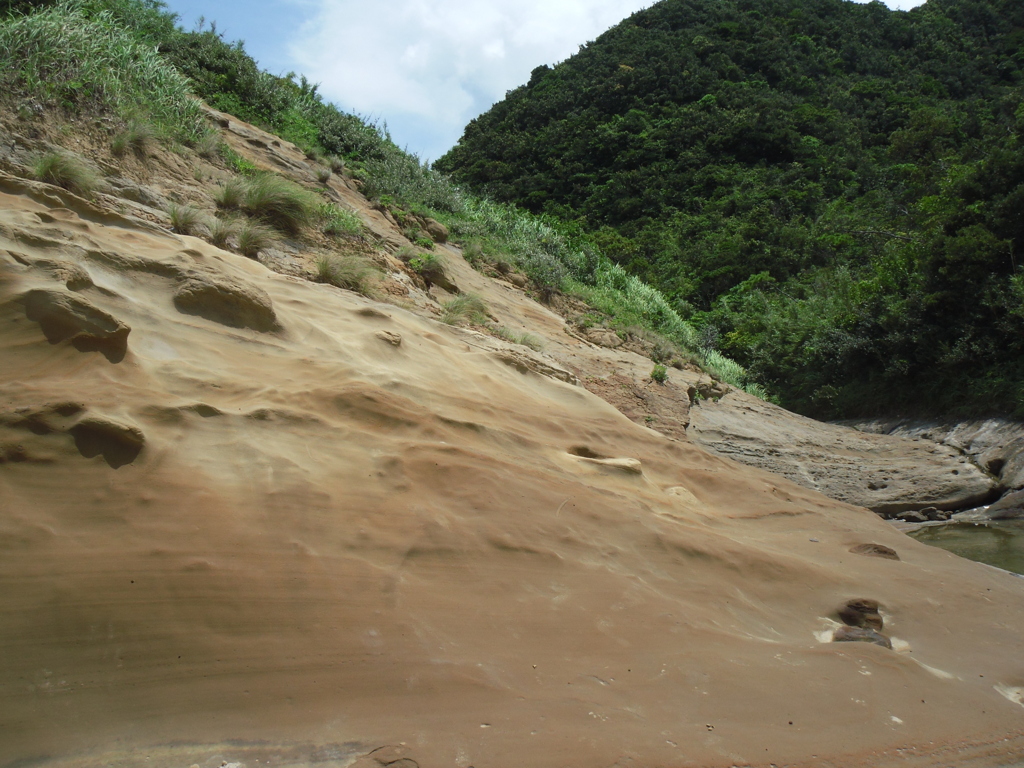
[833,190]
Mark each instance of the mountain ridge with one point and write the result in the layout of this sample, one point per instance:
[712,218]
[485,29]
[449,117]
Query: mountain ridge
[747,158]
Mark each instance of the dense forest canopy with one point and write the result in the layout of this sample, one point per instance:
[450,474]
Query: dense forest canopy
[835,190]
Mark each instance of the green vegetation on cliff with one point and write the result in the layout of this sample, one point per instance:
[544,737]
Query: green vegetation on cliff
[836,189]
[130,57]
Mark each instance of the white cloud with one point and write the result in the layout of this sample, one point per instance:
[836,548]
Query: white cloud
[428,67]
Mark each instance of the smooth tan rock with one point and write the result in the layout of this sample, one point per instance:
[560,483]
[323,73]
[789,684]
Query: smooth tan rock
[230,302]
[68,317]
[995,445]
[437,231]
[394,339]
[603,337]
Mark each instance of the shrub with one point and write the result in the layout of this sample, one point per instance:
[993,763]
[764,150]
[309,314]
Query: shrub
[186,220]
[253,237]
[465,307]
[138,136]
[402,176]
[67,170]
[323,175]
[659,373]
[336,164]
[354,273]
[279,202]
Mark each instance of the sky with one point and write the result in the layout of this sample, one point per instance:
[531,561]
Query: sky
[425,68]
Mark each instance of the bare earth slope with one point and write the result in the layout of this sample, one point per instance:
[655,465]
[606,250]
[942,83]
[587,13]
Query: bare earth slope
[248,519]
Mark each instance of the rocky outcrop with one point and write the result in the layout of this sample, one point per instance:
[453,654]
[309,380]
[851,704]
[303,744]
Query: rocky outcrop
[995,445]
[885,473]
[68,317]
[229,302]
[438,232]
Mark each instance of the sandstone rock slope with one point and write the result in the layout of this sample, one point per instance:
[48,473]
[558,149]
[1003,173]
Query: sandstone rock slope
[248,519]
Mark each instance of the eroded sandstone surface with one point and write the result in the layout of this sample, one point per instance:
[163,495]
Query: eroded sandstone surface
[295,526]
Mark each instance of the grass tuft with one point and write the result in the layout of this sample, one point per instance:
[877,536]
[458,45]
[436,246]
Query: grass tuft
[186,220]
[208,145]
[252,237]
[221,231]
[67,170]
[323,175]
[466,307]
[231,195]
[336,164]
[137,137]
[524,338]
[279,202]
[353,273]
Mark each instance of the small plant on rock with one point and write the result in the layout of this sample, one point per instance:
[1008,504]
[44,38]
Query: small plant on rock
[354,273]
[524,338]
[253,237]
[323,175]
[336,164]
[208,146]
[466,307]
[137,137]
[659,373]
[430,265]
[279,202]
[236,162]
[67,170]
[221,231]
[186,220]
[337,221]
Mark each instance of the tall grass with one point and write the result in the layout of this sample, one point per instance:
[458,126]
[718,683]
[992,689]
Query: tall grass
[64,57]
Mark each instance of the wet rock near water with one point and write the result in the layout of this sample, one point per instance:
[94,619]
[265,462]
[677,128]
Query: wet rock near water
[1010,507]
[926,515]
